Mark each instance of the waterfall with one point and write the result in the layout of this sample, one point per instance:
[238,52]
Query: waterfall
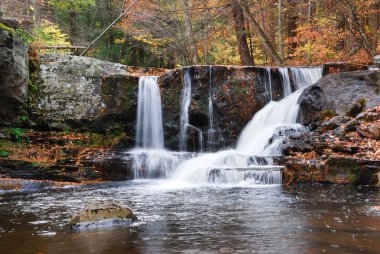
[211,131]
[304,77]
[268,83]
[251,161]
[149,128]
[148,159]
[260,129]
[285,81]
[184,124]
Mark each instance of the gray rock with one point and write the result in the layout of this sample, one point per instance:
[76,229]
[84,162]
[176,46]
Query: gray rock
[341,94]
[13,77]
[81,92]
[347,127]
[374,130]
[102,213]
[335,122]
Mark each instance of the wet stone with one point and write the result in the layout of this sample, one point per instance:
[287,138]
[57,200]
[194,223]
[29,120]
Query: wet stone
[102,213]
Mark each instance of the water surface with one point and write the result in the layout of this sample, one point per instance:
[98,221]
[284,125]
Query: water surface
[177,218]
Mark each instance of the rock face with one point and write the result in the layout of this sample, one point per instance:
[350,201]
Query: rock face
[236,94]
[97,212]
[13,76]
[347,93]
[81,92]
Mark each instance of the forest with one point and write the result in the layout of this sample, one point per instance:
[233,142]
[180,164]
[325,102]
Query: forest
[174,33]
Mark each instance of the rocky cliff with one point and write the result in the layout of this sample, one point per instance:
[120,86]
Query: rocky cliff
[13,76]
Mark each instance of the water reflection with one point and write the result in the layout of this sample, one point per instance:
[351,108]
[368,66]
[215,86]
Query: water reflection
[194,219]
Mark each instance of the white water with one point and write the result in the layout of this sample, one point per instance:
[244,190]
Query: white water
[244,164]
[304,77]
[154,163]
[285,80]
[268,82]
[260,129]
[149,128]
[211,131]
[184,124]
[250,163]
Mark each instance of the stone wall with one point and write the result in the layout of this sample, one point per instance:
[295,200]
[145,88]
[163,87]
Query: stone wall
[13,76]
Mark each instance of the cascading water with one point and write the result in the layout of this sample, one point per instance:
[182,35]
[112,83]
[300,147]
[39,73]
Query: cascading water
[149,127]
[304,77]
[149,159]
[246,163]
[249,163]
[285,81]
[268,83]
[185,104]
[211,131]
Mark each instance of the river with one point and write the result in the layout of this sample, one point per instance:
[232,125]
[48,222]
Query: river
[184,218]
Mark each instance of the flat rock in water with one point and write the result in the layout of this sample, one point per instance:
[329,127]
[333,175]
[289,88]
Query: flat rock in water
[102,213]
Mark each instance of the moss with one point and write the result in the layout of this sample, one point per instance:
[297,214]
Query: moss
[328,113]
[25,36]
[7,28]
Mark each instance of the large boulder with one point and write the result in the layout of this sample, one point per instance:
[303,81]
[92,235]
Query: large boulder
[347,93]
[85,93]
[13,75]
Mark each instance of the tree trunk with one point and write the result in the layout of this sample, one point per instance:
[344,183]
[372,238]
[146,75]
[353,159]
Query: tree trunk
[291,27]
[280,41]
[374,23]
[73,27]
[189,33]
[340,26]
[309,27]
[264,39]
[241,34]
[359,29]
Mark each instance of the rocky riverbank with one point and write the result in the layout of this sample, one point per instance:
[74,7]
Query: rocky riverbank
[342,144]
[55,156]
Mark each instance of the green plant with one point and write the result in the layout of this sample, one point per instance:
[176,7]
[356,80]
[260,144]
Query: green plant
[25,36]
[24,118]
[328,113]
[16,134]
[4,154]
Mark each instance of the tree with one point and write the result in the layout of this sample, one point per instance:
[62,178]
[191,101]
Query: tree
[71,8]
[241,34]
[263,37]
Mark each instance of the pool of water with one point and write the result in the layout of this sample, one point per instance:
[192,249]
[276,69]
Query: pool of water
[178,218]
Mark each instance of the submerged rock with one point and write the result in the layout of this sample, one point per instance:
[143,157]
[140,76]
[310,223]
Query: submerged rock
[99,213]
